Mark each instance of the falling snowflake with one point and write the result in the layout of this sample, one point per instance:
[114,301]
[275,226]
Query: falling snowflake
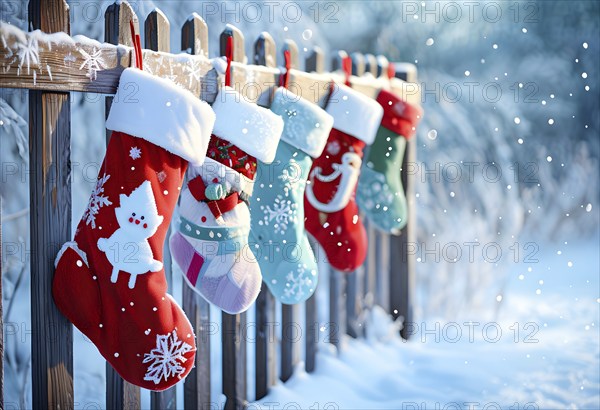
[166,358]
[97,201]
[92,63]
[333,148]
[28,53]
[296,283]
[283,213]
[135,153]
[162,175]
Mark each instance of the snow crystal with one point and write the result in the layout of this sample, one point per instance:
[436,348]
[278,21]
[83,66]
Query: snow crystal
[429,42]
[166,358]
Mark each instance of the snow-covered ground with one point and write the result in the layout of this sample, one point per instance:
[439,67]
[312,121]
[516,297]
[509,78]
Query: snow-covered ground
[542,351]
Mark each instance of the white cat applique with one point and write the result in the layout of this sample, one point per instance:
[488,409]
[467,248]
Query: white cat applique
[128,249]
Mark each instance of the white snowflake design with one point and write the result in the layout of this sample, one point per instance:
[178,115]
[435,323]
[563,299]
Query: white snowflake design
[97,201]
[135,153]
[193,71]
[296,283]
[29,53]
[283,213]
[92,63]
[166,358]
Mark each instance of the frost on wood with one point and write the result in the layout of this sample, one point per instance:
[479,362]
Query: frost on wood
[97,201]
[92,62]
[166,358]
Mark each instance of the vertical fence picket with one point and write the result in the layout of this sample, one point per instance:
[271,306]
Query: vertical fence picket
[337,279]
[265,342]
[290,354]
[315,62]
[157,38]
[382,65]
[353,282]
[402,277]
[233,326]
[371,65]
[194,40]
[119,393]
[1,320]
[50,219]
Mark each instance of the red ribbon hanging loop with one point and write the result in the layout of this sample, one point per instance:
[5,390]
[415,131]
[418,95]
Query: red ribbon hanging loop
[229,57]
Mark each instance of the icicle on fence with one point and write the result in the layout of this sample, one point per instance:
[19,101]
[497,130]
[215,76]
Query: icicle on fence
[56,65]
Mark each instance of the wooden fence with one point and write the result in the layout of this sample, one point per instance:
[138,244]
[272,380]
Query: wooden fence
[57,66]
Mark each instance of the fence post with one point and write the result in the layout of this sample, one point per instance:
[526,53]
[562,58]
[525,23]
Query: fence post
[119,393]
[1,320]
[157,38]
[196,388]
[50,205]
[265,369]
[402,281]
[353,282]
[315,62]
[233,326]
[290,354]
[371,65]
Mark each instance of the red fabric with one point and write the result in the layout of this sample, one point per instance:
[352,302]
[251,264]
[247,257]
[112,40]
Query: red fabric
[341,234]
[231,156]
[124,322]
[217,207]
[398,116]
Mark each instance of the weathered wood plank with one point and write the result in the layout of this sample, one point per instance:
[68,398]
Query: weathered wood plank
[233,326]
[337,307]
[290,346]
[382,66]
[80,64]
[157,38]
[1,320]
[382,279]
[119,393]
[315,62]
[402,276]
[50,222]
[196,388]
[290,349]
[358,64]
[371,65]
[265,342]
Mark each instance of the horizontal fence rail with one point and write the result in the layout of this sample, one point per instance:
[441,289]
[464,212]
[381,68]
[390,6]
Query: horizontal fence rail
[50,64]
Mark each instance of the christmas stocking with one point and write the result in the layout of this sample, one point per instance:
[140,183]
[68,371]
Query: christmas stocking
[109,280]
[331,212]
[211,245]
[285,257]
[380,192]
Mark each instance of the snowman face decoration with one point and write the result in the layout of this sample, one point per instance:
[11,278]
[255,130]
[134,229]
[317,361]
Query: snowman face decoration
[137,215]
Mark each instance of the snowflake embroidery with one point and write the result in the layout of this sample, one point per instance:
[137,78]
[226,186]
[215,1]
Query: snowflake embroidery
[283,213]
[97,201]
[135,153]
[296,283]
[92,63]
[166,358]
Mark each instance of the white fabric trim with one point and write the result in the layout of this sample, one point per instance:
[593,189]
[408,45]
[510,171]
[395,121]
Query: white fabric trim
[354,114]
[234,180]
[254,129]
[307,125]
[162,113]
